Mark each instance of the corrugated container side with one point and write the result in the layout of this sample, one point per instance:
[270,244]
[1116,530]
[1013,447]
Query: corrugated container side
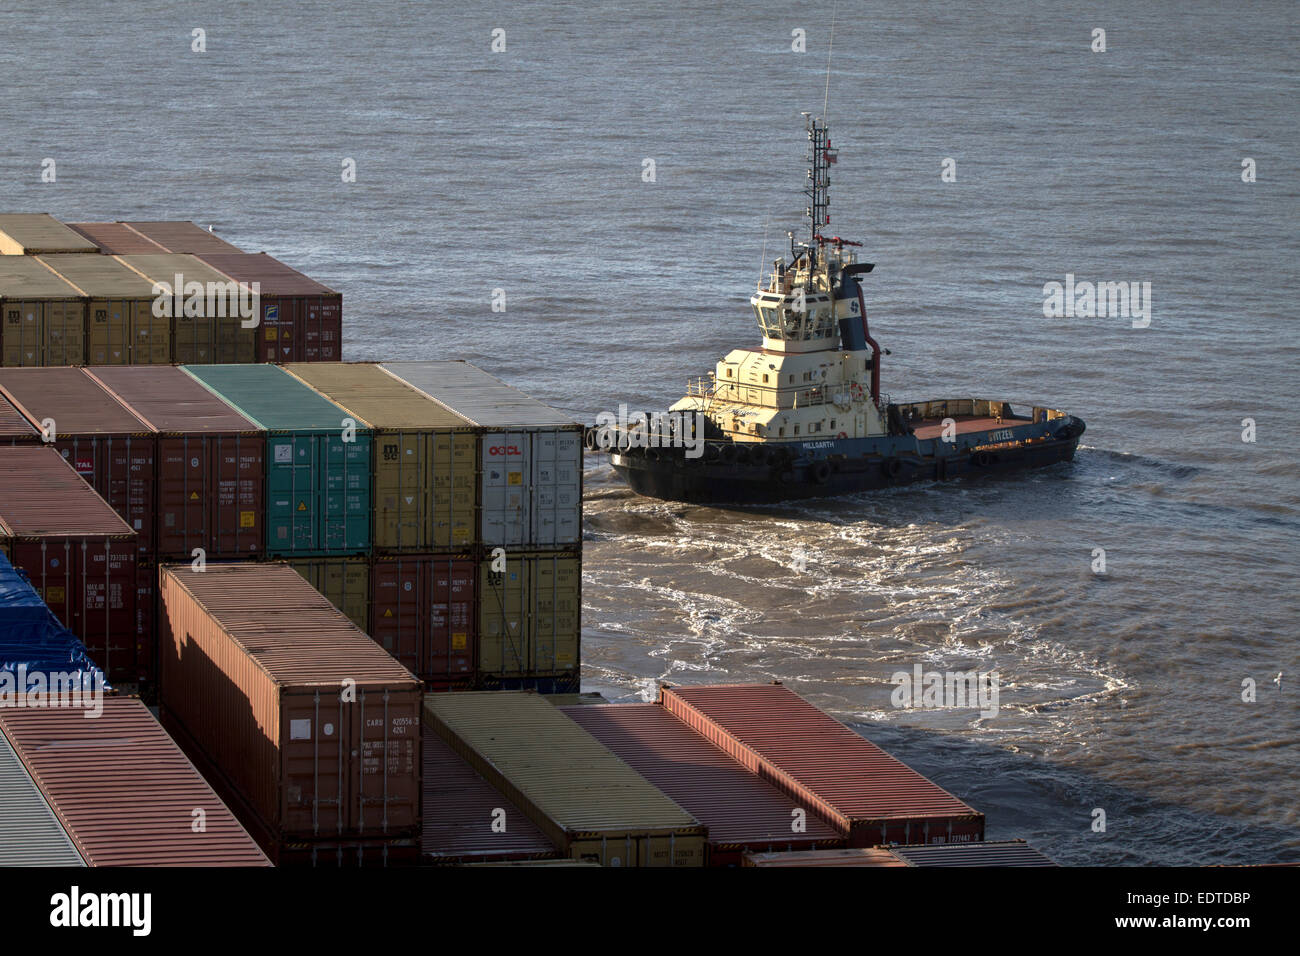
[344,582]
[318,475]
[742,811]
[530,614]
[197,336]
[30,834]
[112,449]
[116,238]
[852,856]
[180,236]
[44,318]
[121,325]
[424,456]
[301,321]
[311,725]
[423,612]
[1001,853]
[868,795]
[15,429]
[123,790]
[35,233]
[78,554]
[210,463]
[587,801]
[466,820]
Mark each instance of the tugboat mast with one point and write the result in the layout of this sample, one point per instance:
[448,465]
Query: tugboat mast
[817,188]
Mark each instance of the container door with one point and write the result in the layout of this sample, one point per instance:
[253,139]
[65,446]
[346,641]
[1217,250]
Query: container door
[505,488]
[151,335]
[402,491]
[453,472]
[293,492]
[183,496]
[399,614]
[65,333]
[235,344]
[24,328]
[384,782]
[331,328]
[193,343]
[238,475]
[314,750]
[108,341]
[503,631]
[555,618]
[308,329]
[452,622]
[345,491]
[107,580]
[556,488]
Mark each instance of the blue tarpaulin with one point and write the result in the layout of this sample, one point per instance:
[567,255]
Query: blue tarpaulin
[32,637]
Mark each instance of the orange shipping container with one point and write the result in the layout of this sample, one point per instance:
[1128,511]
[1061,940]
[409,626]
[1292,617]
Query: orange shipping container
[312,730]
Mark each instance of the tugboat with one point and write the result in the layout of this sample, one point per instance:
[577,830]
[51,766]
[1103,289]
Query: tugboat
[803,416]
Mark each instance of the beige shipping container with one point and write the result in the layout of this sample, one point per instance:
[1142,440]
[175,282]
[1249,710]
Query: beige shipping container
[586,800]
[121,328]
[423,462]
[530,614]
[197,339]
[345,583]
[38,233]
[42,317]
[310,725]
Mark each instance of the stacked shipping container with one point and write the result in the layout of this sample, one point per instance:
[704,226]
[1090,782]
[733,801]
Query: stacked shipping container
[121,325]
[122,789]
[529,465]
[44,318]
[210,331]
[869,796]
[79,555]
[317,460]
[587,801]
[30,834]
[312,730]
[38,233]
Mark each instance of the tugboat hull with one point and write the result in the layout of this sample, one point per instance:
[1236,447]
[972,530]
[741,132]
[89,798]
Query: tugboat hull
[836,467]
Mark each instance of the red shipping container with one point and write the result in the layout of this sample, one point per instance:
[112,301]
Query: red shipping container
[179,236]
[308,728]
[869,796]
[116,238]
[123,790]
[301,320]
[15,429]
[742,811]
[107,445]
[422,612]
[210,462]
[79,555]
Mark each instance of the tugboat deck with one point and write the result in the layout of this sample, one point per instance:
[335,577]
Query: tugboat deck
[933,427]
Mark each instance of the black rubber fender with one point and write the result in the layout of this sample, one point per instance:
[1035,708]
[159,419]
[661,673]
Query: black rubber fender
[820,472]
[892,467]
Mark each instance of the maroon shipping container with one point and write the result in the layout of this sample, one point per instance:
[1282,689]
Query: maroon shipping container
[422,612]
[79,555]
[15,429]
[742,811]
[466,819]
[210,462]
[123,790]
[116,238]
[107,445]
[869,796]
[181,236]
[302,320]
[311,730]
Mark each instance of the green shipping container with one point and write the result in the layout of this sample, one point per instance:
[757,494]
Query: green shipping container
[317,460]
[530,614]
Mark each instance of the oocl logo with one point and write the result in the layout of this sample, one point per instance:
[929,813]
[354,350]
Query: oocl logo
[504,450]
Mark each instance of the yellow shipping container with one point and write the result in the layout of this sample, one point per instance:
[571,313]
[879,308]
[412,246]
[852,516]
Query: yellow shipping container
[530,614]
[121,328]
[587,801]
[344,582]
[198,339]
[424,455]
[44,318]
[36,233]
